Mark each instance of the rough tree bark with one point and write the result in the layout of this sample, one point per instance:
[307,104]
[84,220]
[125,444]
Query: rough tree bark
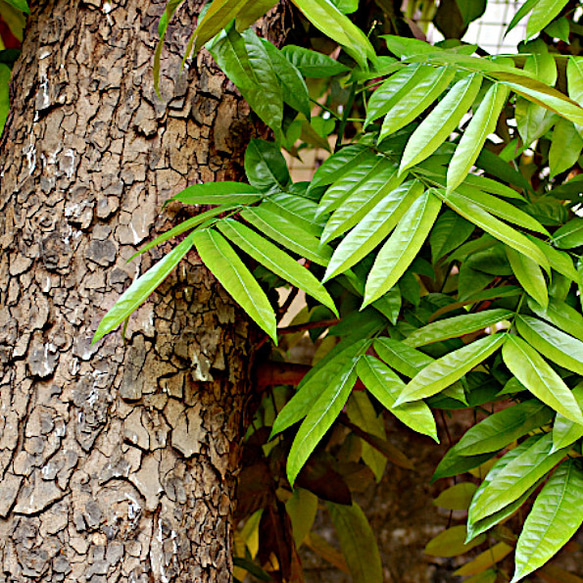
[118,461]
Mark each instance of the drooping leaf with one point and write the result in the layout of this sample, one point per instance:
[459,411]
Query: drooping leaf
[555,517]
[529,275]
[539,378]
[569,235]
[451,542]
[473,139]
[373,228]
[357,541]
[219,14]
[485,560]
[441,122]
[560,348]
[515,478]
[449,368]
[565,431]
[227,267]
[327,18]
[302,508]
[402,246]
[322,414]
[496,228]
[291,235]
[295,91]
[265,166]
[457,497]
[244,59]
[252,11]
[276,260]
[455,327]
[386,386]
[219,193]
[141,289]
[566,146]
[313,64]
[421,96]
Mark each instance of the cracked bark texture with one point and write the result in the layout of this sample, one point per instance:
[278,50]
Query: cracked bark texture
[118,461]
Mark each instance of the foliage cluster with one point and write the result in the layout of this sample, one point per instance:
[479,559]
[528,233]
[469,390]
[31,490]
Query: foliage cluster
[439,246]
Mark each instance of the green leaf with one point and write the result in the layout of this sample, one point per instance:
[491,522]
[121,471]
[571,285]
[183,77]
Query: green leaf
[386,386]
[313,64]
[455,327]
[245,61]
[319,376]
[219,193]
[302,508]
[451,542]
[520,14]
[441,122]
[559,29]
[265,166]
[565,432]
[458,497]
[141,288]
[373,228]
[4,95]
[416,101]
[569,235]
[448,233]
[402,246]
[252,11]
[539,378]
[503,427]
[291,235]
[362,413]
[453,465]
[496,228]
[401,357]
[529,275]
[185,226]
[544,11]
[340,163]
[21,5]
[449,368]
[555,517]
[482,124]
[323,413]
[575,78]
[542,94]
[515,478]
[566,146]
[219,14]
[327,18]
[295,91]
[225,265]
[360,201]
[559,260]
[533,121]
[296,209]
[493,186]
[357,541]
[562,315]
[560,348]
[276,260]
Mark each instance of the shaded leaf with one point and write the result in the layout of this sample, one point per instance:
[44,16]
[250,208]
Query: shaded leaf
[265,166]
[448,233]
[457,497]
[485,560]
[311,63]
[451,542]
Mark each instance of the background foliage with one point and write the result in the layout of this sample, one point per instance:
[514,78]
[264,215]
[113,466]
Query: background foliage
[440,250]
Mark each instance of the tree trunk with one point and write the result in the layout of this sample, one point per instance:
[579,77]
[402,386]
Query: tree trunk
[118,461]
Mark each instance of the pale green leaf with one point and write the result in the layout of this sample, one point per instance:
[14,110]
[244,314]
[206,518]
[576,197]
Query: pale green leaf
[529,275]
[569,235]
[562,315]
[484,560]
[141,289]
[276,260]
[566,146]
[219,193]
[340,163]
[565,432]
[515,478]
[227,267]
[544,11]
[358,542]
[401,357]
[441,122]
[402,246]
[219,14]
[416,101]
[560,348]
[555,517]
[455,327]
[373,228]
[302,508]
[457,497]
[451,542]
[445,371]
[539,378]
[559,260]
[482,124]
[4,95]
[252,11]
[386,386]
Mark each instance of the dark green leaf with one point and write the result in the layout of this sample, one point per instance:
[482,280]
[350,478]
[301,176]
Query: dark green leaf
[448,233]
[313,64]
